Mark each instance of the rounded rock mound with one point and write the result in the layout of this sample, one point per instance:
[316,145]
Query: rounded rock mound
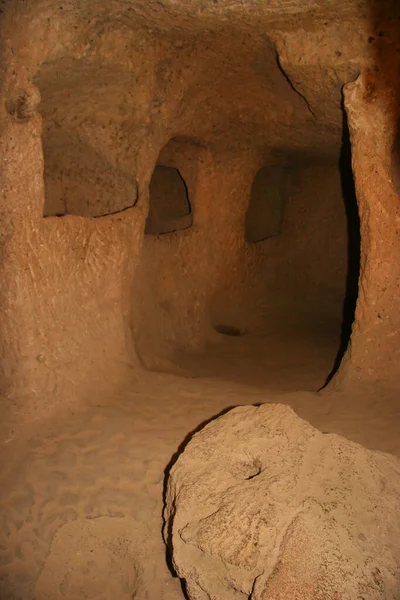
[262,505]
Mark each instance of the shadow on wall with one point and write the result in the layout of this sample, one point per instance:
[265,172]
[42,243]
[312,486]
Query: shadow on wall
[168,523]
[80,181]
[264,216]
[353,245]
[169,205]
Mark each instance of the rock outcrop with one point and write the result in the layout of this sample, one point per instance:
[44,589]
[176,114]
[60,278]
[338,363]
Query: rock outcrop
[262,505]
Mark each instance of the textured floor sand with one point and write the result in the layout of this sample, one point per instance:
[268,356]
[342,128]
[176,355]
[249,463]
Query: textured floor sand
[81,492]
[288,359]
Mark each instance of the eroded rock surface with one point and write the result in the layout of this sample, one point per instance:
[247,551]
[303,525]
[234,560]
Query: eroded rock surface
[100,559]
[261,505]
[98,96]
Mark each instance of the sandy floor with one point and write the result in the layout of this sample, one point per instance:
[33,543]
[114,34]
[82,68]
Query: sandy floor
[285,358]
[82,491]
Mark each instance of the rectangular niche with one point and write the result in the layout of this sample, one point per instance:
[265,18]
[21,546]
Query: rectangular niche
[169,205]
[264,217]
[86,171]
[80,181]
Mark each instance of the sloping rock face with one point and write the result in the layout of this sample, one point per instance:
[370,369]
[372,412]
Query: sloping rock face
[261,505]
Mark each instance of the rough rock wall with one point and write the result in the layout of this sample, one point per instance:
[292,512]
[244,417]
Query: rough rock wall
[180,273]
[372,104]
[106,86]
[189,282]
[301,273]
[66,282]
[62,286]
[375,345]
[317,225]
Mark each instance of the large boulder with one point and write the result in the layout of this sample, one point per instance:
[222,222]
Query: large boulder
[261,505]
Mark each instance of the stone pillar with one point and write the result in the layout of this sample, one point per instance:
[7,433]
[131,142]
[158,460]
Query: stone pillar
[186,276]
[374,351]
[63,326]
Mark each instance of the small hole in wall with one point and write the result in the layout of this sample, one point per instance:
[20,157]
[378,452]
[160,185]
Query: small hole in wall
[245,471]
[230,330]
[79,180]
[169,205]
[264,215]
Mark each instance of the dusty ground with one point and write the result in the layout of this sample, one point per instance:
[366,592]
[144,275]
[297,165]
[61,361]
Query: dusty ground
[290,356]
[96,94]
[82,490]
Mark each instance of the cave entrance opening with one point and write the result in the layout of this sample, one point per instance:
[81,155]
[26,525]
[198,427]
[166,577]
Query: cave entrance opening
[291,325]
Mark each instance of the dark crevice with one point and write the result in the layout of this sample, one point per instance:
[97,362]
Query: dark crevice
[265,211]
[290,82]
[168,525]
[253,476]
[107,214]
[353,245]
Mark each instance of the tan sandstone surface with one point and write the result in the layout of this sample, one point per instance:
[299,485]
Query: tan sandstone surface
[261,505]
[199,209]
[107,461]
